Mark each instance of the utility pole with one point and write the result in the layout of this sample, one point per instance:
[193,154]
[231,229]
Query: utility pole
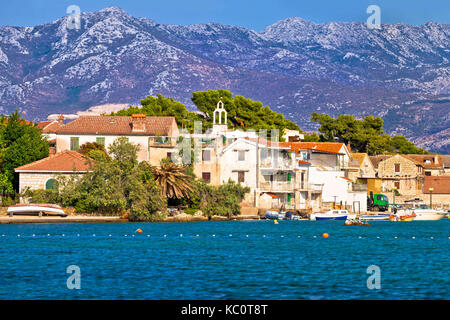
[431,197]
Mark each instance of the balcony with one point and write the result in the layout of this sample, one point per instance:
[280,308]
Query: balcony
[281,164]
[359,187]
[277,186]
[315,187]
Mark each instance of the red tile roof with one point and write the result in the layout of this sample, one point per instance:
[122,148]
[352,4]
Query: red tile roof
[326,147]
[48,126]
[359,157]
[377,159]
[267,143]
[441,184]
[445,160]
[272,195]
[435,160]
[117,125]
[66,161]
[43,124]
[303,162]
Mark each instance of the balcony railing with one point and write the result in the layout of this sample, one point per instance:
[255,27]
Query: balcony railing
[359,187]
[277,186]
[280,164]
[315,186]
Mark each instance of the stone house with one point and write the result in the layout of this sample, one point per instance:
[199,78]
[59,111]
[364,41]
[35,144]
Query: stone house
[402,173]
[446,164]
[364,168]
[156,136]
[432,163]
[42,174]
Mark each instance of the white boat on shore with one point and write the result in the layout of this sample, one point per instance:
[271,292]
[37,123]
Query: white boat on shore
[332,215]
[32,209]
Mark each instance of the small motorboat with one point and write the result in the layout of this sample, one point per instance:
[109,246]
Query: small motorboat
[355,222]
[39,209]
[275,215]
[332,215]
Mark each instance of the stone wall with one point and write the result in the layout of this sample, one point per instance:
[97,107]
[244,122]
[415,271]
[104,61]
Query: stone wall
[37,180]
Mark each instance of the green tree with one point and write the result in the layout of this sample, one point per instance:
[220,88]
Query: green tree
[365,135]
[124,153]
[173,180]
[93,150]
[225,199]
[163,106]
[116,186]
[21,143]
[243,113]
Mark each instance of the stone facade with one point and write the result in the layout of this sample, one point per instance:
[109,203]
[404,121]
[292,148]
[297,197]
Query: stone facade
[403,173]
[35,180]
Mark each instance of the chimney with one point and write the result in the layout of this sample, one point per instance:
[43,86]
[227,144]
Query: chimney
[61,120]
[51,151]
[138,122]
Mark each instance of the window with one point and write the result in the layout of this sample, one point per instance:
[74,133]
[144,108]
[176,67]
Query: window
[51,184]
[241,155]
[169,155]
[206,155]
[397,184]
[162,139]
[397,167]
[74,143]
[428,173]
[100,140]
[241,176]
[206,176]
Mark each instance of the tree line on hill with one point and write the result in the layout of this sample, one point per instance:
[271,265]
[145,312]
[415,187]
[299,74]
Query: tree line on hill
[364,135]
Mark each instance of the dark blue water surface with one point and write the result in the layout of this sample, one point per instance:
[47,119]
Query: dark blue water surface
[260,260]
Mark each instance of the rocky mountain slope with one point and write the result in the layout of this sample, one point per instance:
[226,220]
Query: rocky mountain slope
[400,72]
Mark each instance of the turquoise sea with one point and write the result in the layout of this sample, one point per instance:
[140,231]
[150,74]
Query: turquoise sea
[226,260]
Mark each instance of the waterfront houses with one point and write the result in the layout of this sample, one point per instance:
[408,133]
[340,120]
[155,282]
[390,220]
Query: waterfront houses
[327,171]
[310,176]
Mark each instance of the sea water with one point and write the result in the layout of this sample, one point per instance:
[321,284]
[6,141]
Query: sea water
[226,260]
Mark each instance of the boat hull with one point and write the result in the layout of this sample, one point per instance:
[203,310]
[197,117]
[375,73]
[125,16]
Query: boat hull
[35,210]
[375,218]
[329,217]
[428,217]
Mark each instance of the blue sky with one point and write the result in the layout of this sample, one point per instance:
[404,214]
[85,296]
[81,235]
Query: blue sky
[253,14]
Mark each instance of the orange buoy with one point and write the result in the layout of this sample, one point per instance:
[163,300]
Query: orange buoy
[325,235]
[139,230]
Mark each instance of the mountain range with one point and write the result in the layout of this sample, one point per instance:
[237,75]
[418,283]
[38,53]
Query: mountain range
[399,72]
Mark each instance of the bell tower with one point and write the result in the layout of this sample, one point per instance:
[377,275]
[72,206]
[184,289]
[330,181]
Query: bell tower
[220,122]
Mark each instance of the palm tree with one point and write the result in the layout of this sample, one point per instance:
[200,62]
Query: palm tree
[173,180]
